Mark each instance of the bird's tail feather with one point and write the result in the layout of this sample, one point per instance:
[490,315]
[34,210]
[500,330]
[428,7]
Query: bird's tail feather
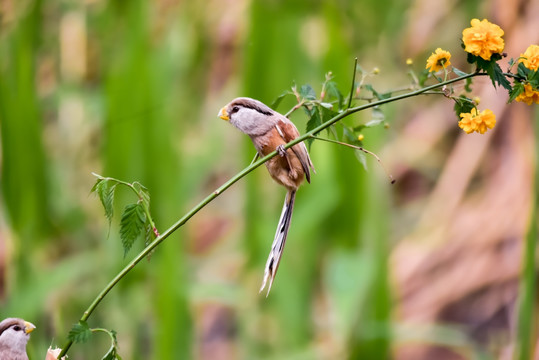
[274,258]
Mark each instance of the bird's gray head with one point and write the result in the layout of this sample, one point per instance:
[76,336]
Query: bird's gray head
[250,116]
[14,335]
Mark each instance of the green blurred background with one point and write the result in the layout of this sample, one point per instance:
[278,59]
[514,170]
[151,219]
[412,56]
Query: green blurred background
[131,89]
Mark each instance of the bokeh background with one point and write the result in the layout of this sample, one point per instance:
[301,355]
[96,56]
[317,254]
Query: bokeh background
[426,268]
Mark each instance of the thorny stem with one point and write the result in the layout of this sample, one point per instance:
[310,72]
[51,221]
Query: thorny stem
[148,249]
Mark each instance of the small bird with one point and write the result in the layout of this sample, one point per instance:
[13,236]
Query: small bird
[270,131]
[14,335]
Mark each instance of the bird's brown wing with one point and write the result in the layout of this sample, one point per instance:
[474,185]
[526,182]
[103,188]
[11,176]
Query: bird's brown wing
[289,132]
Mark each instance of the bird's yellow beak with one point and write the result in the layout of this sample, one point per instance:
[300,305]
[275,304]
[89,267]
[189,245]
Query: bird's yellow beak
[223,114]
[28,327]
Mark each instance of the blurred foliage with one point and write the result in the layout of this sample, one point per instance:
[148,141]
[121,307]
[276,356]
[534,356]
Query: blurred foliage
[130,89]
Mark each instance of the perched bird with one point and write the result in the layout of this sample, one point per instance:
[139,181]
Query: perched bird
[270,131]
[14,334]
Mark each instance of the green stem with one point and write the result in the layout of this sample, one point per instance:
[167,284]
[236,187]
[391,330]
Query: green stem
[353,86]
[527,318]
[234,179]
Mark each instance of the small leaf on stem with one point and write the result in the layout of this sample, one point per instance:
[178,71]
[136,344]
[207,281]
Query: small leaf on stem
[132,225]
[80,332]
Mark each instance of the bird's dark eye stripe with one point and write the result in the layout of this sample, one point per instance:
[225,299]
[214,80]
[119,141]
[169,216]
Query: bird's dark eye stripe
[267,113]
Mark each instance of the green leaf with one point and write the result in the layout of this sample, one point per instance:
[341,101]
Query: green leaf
[349,136]
[333,93]
[132,225]
[523,71]
[314,121]
[533,79]
[361,157]
[333,131]
[376,94]
[326,114]
[468,85]
[492,68]
[518,88]
[497,76]
[278,100]
[463,104]
[377,117]
[104,188]
[307,92]
[459,72]
[423,76]
[143,192]
[80,332]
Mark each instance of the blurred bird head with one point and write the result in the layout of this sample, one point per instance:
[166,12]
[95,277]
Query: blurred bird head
[14,335]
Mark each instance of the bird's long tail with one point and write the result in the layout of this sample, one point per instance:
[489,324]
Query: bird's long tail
[279,241]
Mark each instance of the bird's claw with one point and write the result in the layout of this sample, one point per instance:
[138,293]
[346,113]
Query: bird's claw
[281,150]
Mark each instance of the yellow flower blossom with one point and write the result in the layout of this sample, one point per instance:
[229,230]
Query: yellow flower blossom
[361,137]
[438,60]
[409,61]
[477,121]
[530,58]
[529,96]
[483,39]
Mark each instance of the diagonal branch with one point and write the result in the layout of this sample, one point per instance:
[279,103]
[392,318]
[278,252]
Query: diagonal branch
[148,249]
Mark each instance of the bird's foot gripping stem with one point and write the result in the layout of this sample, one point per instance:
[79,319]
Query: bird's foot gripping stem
[281,150]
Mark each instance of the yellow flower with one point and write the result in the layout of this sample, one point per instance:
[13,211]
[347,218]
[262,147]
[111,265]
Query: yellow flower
[530,58]
[529,96]
[361,137]
[483,39]
[438,60]
[474,121]
[409,61]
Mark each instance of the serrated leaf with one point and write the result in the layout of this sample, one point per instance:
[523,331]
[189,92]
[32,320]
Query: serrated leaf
[533,79]
[518,88]
[459,72]
[80,332]
[144,193]
[497,76]
[523,71]
[105,190]
[492,68]
[307,92]
[132,225]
